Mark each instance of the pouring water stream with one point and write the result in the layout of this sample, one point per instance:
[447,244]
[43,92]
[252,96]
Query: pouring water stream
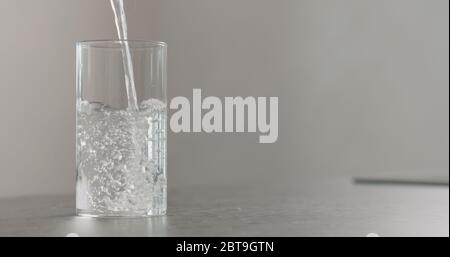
[121,26]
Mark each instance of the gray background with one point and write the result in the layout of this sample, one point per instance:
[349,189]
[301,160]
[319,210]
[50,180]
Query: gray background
[363,86]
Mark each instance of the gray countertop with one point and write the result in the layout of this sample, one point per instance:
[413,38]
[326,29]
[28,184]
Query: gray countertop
[334,207]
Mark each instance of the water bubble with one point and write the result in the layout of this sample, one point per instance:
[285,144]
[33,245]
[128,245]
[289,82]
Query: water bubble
[117,156]
[117,160]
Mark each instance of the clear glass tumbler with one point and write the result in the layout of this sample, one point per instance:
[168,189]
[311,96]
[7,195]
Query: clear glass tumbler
[121,112]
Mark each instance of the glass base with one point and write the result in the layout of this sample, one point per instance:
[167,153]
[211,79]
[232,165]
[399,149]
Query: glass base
[119,214]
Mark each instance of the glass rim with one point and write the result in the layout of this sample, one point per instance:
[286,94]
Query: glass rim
[117,43]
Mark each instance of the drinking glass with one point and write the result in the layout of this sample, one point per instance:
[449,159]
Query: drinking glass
[121,116]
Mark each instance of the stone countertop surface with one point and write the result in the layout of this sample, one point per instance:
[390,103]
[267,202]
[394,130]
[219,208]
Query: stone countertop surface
[334,207]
